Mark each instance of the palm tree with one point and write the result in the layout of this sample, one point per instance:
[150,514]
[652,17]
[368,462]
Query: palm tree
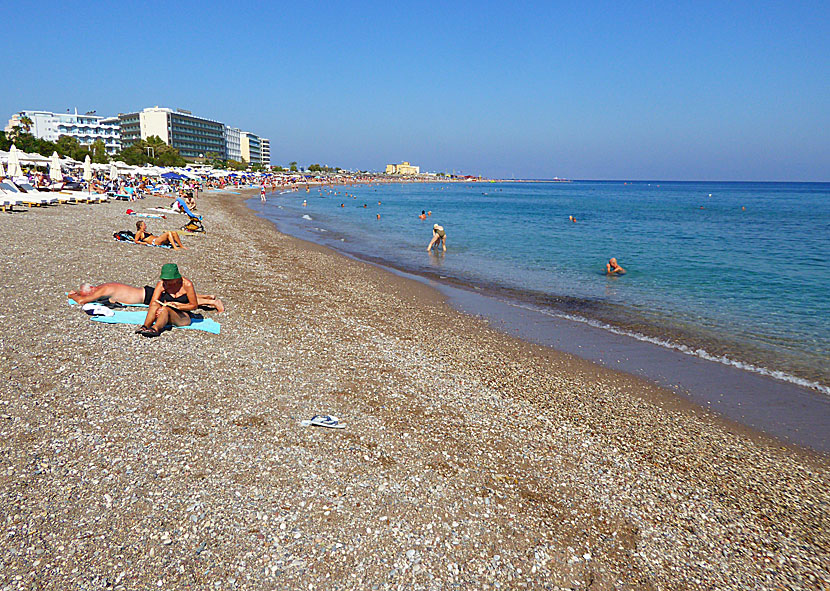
[26,123]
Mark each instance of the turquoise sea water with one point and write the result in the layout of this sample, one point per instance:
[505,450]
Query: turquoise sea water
[735,272]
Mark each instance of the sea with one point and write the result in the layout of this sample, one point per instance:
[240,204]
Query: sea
[735,273]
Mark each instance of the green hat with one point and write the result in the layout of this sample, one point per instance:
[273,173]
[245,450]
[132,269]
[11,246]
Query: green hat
[170,271]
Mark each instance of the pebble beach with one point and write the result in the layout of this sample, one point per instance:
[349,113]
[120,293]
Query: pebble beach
[468,459]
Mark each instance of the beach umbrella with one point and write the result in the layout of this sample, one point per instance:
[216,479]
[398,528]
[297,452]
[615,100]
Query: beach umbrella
[88,173]
[14,162]
[113,171]
[55,168]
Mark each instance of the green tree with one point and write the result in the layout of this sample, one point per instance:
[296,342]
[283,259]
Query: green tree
[292,166]
[70,147]
[277,169]
[235,165]
[99,152]
[158,154]
[14,133]
[26,123]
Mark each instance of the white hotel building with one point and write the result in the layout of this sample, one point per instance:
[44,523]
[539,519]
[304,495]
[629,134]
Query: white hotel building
[233,141]
[86,128]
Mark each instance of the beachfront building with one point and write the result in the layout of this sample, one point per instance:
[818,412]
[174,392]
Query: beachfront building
[251,147]
[403,168]
[87,128]
[233,148]
[194,137]
[265,149]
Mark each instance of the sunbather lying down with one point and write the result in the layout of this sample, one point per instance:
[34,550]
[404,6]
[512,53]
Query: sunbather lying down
[142,235]
[118,293]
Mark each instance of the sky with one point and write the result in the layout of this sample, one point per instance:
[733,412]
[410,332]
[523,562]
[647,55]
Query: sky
[616,90]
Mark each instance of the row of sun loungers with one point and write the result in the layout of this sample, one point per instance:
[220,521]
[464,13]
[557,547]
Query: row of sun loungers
[12,194]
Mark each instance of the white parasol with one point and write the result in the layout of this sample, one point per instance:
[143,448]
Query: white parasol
[55,168]
[14,162]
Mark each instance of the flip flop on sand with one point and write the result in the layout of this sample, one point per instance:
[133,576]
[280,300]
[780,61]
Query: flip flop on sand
[329,421]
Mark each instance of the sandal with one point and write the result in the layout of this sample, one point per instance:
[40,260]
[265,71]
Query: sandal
[150,333]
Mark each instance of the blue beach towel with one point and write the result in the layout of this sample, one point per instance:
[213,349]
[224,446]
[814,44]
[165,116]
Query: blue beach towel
[137,317]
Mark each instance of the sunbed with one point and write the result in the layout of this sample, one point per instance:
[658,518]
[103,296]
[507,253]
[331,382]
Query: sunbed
[54,197]
[25,198]
[7,200]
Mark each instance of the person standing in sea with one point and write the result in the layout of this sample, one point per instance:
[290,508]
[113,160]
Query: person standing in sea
[438,235]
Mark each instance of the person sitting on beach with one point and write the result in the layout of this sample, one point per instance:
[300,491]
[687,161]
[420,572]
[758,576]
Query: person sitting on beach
[119,293]
[174,297]
[143,236]
[438,237]
[612,268]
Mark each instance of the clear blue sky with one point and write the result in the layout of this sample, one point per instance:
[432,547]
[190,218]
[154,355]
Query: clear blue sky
[617,90]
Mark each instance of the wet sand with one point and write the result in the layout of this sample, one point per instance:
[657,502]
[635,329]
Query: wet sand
[468,458]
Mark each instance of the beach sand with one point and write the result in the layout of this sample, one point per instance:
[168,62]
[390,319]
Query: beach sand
[468,459]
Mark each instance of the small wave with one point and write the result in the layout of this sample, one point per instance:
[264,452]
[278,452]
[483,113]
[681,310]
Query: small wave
[702,353]
[307,217]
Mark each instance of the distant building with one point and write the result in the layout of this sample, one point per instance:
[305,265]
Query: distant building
[403,168]
[193,137]
[87,128]
[265,149]
[233,149]
[250,147]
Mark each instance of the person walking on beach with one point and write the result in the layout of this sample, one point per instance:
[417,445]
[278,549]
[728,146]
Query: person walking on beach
[262,194]
[438,236]
[172,301]
[612,268]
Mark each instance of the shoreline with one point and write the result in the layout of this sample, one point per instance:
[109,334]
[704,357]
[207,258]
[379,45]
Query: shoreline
[789,409]
[719,339]
[468,457]
[429,289]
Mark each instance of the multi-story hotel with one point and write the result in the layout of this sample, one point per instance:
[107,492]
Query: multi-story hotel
[193,137]
[402,168]
[233,148]
[87,128]
[250,147]
[265,149]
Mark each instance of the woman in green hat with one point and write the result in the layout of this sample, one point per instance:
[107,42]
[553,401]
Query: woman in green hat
[173,299]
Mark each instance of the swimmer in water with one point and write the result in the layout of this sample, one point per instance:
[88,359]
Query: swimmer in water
[613,268]
[423,215]
[572,218]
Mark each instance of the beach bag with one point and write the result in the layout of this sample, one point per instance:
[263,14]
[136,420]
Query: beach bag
[194,225]
[124,236]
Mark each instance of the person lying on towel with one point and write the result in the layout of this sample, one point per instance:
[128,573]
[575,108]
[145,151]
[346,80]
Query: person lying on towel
[118,293]
[142,235]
